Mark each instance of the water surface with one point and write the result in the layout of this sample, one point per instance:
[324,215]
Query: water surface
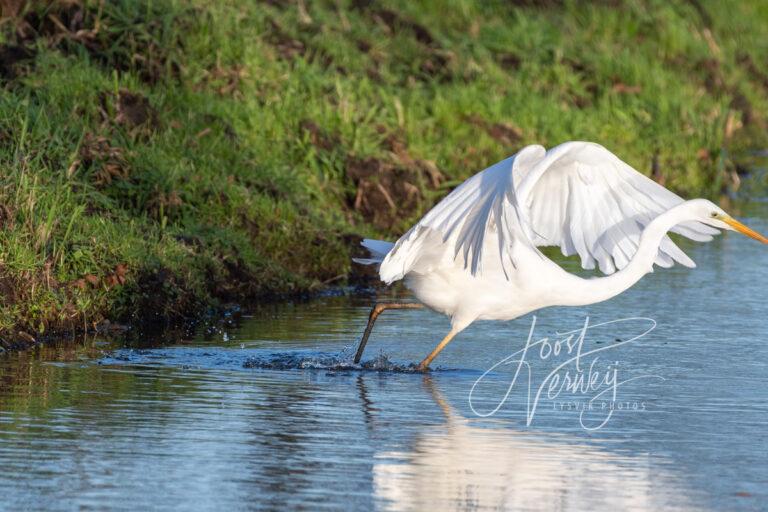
[271,414]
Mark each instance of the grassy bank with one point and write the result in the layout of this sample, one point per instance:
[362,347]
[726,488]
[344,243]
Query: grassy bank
[162,157]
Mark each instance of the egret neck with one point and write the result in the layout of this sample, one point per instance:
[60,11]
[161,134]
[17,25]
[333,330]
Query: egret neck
[598,289]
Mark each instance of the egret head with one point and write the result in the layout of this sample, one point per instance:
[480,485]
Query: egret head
[709,213]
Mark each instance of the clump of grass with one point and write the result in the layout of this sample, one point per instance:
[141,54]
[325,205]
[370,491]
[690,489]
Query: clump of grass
[163,157]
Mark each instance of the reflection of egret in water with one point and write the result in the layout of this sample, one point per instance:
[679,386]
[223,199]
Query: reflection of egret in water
[466,467]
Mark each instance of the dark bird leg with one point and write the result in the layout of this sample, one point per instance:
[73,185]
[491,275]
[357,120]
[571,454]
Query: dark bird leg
[375,312]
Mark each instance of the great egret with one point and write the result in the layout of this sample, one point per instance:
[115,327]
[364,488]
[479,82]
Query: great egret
[475,255]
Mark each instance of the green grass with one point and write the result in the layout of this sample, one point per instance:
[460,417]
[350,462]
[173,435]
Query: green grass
[160,157]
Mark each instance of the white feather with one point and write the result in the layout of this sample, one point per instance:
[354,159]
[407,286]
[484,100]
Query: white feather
[578,196]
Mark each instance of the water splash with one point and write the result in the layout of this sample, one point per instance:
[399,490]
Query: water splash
[222,358]
[302,360]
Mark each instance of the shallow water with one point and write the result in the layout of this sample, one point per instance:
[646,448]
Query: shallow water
[272,414]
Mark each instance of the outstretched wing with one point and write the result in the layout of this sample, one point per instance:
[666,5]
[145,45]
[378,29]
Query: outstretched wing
[578,196]
[483,207]
[584,199]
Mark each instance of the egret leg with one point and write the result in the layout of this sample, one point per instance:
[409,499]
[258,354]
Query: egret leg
[440,346]
[376,310]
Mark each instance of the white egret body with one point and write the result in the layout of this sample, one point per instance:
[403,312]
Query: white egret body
[475,255]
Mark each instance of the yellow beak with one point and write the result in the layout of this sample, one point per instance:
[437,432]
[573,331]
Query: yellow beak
[741,228]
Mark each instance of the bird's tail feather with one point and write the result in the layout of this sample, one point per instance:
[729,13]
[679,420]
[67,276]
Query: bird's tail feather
[378,250]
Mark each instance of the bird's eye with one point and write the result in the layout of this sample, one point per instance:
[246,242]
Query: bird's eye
[713,214]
